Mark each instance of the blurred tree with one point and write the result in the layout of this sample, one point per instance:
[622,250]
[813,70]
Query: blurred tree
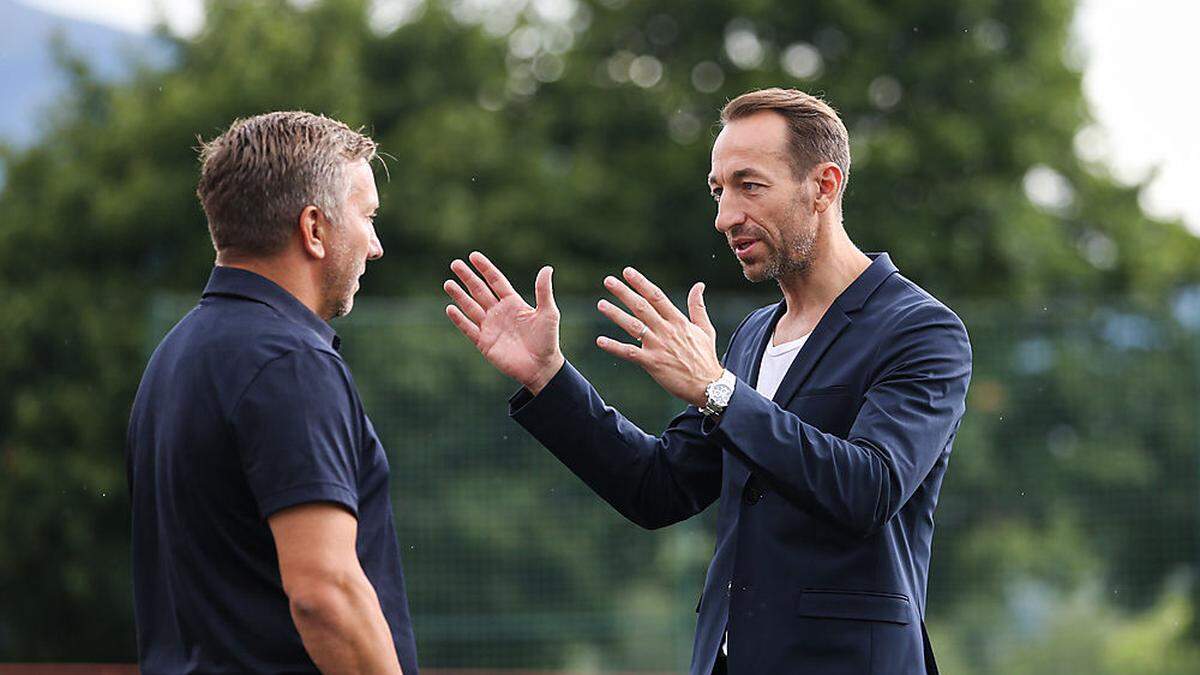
[577,133]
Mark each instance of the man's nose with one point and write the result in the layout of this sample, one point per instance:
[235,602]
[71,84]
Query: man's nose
[375,252]
[729,214]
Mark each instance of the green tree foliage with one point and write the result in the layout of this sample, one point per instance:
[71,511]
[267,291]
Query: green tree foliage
[580,137]
[1085,635]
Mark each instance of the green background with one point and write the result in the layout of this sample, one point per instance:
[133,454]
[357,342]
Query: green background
[577,134]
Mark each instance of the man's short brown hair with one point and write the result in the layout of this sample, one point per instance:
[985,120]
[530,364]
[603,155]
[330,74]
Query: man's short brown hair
[816,133]
[258,176]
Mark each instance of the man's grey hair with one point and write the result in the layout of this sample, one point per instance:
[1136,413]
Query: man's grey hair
[258,176]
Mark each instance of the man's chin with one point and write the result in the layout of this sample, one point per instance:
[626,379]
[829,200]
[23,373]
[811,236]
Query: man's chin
[341,308]
[755,273]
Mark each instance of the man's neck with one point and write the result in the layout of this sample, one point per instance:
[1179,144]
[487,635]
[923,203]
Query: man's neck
[285,274]
[809,294]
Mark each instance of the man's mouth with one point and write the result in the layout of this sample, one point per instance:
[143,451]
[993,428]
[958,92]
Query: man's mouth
[742,247]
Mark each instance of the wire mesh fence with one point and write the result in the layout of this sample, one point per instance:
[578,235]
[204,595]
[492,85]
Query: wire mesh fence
[1067,529]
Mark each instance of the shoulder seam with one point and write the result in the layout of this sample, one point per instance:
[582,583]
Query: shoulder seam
[292,352]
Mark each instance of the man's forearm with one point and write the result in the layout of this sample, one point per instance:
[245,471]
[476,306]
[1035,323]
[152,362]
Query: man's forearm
[343,628]
[652,481]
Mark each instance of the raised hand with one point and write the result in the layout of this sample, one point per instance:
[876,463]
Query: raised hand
[679,352]
[519,340]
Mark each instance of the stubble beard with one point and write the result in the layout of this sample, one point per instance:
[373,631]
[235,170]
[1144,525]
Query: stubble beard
[794,258]
[337,285]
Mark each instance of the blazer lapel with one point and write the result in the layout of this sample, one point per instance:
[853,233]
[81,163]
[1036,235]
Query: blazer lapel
[758,346]
[744,362]
[828,328]
[836,319]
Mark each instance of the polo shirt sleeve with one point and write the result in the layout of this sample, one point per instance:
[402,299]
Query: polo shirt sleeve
[298,433]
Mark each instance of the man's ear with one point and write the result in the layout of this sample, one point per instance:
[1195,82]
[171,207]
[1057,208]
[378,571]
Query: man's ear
[314,232]
[829,179]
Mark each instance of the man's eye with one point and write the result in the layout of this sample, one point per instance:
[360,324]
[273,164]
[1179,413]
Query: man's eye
[751,187]
[716,195]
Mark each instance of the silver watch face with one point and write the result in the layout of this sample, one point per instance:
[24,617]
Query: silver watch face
[719,394]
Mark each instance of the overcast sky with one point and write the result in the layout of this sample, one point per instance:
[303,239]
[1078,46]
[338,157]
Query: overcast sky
[1138,56]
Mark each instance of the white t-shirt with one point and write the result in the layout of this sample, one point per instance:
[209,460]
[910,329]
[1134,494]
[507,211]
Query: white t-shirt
[775,363]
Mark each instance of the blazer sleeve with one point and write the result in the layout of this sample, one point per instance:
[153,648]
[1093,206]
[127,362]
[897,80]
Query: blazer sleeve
[653,481]
[910,412]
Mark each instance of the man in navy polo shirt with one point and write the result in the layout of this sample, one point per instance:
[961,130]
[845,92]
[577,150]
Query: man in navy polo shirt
[263,539]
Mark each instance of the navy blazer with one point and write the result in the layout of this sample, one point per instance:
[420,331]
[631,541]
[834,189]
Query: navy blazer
[827,491]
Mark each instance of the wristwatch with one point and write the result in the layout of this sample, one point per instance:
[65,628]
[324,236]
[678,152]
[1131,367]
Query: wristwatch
[719,391]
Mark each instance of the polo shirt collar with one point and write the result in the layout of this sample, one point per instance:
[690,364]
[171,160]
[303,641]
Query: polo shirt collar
[236,282]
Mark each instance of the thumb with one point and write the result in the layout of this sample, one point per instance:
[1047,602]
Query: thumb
[544,289]
[697,311]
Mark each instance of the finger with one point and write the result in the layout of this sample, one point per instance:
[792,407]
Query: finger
[463,324]
[476,286]
[495,278]
[620,350]
[543,289]
[647,289]
[639,306]
[627,323]
[697,311]
[465,302]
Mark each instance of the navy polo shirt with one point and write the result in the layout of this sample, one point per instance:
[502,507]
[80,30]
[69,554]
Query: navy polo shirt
[246,408]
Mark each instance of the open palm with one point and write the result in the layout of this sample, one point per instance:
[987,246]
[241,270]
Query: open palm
[518,340]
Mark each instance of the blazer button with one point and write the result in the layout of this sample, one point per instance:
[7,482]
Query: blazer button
[752,493]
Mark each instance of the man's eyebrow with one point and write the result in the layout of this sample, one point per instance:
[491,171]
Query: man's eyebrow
[747,172]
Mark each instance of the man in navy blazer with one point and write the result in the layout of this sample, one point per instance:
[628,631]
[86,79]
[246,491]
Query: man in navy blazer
[824,432]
